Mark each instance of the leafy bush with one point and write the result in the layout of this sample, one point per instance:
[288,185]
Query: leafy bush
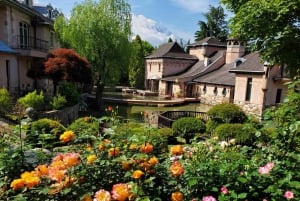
[242,133]
[32,99]
[58,102]
[69,91]
[5,101]
[227,113]
[85,128]
[44,133]
[187,127]
[211,125]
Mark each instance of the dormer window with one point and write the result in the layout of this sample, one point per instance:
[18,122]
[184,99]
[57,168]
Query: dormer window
[239,61]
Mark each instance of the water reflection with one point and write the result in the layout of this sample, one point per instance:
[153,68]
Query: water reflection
[150,114]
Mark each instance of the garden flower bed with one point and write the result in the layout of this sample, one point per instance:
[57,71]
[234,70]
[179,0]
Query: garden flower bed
[121,162]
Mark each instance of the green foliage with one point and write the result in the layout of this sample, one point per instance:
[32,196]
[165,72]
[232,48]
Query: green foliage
[70,92]
[136,65]
[44,133]
[271,27]
[110,21]
[32,99]
[215,25]
[227,113]
[5,101]
[187,127]
[47,126]
[211,125]
[242,133]
[58,102]
[224,171]
[85,129]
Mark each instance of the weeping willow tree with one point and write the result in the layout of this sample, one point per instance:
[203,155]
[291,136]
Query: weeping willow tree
[99,31]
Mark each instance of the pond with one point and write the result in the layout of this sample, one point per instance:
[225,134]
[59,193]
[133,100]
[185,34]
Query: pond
[136,112]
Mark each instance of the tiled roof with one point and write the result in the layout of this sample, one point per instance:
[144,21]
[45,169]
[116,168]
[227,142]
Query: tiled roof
[5,48]
[171,50]
[252,63]
[221,76]
[209,41]
[42,10]
[198,69]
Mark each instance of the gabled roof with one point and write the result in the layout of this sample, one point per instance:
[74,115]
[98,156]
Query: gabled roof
[252,63]
[5,48]
[208,41]
[221,76]
[198,68]
[170,50]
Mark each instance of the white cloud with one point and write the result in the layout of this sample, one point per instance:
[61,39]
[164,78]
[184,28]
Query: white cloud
[196,6]
[150,30]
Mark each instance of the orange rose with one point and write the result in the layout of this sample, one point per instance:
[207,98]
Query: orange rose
[153,161]
[120,192]
[17,184]
[176,169]
[137,174]
[126,165]
[146,148]
[114,152]
[67,136]
[91,159]
[176,150]
[177,196]
[42,170]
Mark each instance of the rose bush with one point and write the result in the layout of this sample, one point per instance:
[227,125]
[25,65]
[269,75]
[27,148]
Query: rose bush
[124,165]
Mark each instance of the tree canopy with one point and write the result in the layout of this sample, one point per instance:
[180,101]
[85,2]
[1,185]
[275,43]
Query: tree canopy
[272,27]
[214,26]
[66,64]
[99,30]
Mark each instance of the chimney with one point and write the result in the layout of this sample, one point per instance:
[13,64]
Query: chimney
[235,50]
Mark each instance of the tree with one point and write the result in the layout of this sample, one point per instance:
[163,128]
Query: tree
[100,31]
[215,25]
[271,27]
[147,48]
[137,65]
[66,64]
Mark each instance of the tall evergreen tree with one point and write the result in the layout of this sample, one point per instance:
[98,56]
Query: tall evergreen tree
[214,26]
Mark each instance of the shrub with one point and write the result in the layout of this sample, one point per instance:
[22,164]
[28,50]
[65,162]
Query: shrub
[44,132]
[58,102]
[211,125]
[242,133]
[187,127]
[32,99]
[5,101]
[227,113]
[69,91]
[84,128]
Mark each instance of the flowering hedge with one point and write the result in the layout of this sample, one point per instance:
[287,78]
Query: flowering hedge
[128,166]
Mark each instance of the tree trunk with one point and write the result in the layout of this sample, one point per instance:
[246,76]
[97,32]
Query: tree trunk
[99,94]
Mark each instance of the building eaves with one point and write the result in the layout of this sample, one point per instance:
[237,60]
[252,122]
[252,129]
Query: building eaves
[6,49]
[252,63]
[220,76]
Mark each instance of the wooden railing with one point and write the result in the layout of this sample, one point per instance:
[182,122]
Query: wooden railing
[166,119]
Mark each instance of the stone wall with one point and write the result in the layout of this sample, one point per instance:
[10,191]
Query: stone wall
[66,116]
[250,108]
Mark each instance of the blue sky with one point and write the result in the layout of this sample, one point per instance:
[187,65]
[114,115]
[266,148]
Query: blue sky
[156,20]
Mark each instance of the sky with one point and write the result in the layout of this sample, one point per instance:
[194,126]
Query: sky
[156,20]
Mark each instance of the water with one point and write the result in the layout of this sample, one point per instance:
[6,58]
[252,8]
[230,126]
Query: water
[136,112]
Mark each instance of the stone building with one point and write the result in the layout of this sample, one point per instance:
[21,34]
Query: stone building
[26,37]
[217,73]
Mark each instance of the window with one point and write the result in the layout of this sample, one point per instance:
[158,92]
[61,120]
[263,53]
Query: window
[150,67]
[249,88]
[278,96]
[24,35]
[159,67]
[216,90]
[7,74]
[51,39]
[224,92]
[204,89]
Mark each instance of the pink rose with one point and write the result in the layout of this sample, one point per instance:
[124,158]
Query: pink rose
[288,195]
[224,190]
